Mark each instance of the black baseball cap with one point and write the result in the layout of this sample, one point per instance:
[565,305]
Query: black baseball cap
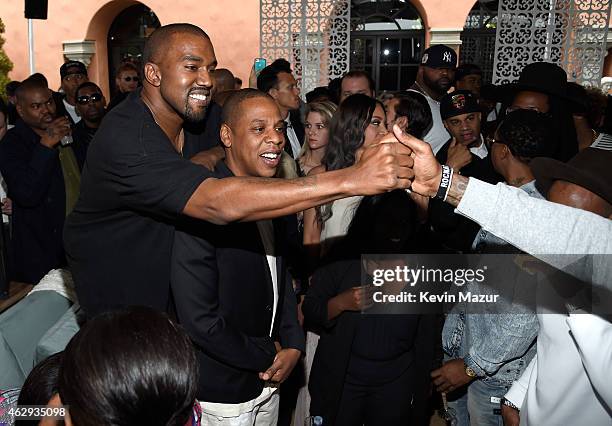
[65,68]
[457,103]
[439,56]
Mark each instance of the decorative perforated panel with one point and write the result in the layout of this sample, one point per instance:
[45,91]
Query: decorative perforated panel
[571,33]
[313,35]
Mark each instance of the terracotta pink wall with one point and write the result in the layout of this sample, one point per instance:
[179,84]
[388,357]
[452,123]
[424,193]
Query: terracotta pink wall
[233,26]
[446,13]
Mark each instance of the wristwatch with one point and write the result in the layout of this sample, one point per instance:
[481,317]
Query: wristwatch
[504,401]
[470,372]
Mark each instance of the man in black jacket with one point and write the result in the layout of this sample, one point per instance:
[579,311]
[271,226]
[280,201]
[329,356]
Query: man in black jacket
[229,282]
[467,153]
[42,178]
[90,105]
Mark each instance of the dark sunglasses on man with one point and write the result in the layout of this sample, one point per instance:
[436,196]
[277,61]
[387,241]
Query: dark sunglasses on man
[130,78]
[85,99]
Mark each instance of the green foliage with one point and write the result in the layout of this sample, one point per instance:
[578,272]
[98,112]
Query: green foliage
[5,64]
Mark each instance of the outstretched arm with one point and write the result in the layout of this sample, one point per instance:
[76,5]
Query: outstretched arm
[381,168]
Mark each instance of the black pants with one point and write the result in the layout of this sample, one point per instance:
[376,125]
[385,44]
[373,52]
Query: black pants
[389,404]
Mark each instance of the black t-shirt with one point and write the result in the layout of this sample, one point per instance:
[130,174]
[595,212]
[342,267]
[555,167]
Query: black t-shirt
[134,186]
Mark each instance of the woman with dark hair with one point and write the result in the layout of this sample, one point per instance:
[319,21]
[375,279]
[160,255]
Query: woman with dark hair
[130,367]
[359,121]
[41,388]
[414,107]
[369,369]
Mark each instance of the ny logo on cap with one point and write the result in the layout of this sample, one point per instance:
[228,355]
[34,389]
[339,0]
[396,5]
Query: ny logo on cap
[447,57]
[458,101]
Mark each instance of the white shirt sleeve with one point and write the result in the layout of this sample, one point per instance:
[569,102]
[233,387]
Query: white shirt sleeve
[517,392]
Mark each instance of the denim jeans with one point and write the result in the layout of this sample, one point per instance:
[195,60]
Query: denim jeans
[474,407]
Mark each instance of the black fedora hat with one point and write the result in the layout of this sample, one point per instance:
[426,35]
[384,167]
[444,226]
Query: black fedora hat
[541,77]
[591,169]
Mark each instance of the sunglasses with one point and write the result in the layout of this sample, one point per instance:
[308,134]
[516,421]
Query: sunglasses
[128,79]
[85,99]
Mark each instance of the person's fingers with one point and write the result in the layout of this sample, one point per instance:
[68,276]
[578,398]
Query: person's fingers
[403,183]
[436,373]
[402,122]
[418,146]
[439,381]
[270,372]
[405,160]
[279,376]
[446,387]
[387,138]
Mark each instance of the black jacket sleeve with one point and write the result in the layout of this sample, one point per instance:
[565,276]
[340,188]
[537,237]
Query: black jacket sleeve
[324,286]
[290,333]
[27,170]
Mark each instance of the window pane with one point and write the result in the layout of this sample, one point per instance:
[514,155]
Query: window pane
[411,50]
[362,52]
[408,76]
[389,51]
[388,78]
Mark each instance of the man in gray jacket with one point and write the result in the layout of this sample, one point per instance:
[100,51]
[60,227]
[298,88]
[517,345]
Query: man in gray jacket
[578,393]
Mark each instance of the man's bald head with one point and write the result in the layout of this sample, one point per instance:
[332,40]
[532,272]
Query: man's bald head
[224,80]
[232,107]
[29,86]
[158,42]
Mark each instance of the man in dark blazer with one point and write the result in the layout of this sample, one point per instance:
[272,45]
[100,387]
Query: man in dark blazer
[42,178]
[278,82]
[229,282]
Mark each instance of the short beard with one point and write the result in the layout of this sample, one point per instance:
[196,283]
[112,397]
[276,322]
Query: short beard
[192,116]
[435,86]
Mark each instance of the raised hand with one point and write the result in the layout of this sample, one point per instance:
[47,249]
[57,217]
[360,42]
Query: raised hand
[459,155]
[56,130]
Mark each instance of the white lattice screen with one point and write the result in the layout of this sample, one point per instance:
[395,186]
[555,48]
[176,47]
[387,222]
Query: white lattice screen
[571,33]
[313,35]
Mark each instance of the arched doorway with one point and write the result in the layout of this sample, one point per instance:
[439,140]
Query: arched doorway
[478,38]
[387,41]
[126,38]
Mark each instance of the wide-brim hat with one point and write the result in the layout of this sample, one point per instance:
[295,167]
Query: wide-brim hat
[541,77]
[591,169]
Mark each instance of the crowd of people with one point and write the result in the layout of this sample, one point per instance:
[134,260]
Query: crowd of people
[197,249]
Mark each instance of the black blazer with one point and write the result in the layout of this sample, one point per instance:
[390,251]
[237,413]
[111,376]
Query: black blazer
[35,182]
[334,349]
[223,292]
[454,232]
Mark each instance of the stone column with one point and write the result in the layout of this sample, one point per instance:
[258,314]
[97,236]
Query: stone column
[81,50]
[448,36]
